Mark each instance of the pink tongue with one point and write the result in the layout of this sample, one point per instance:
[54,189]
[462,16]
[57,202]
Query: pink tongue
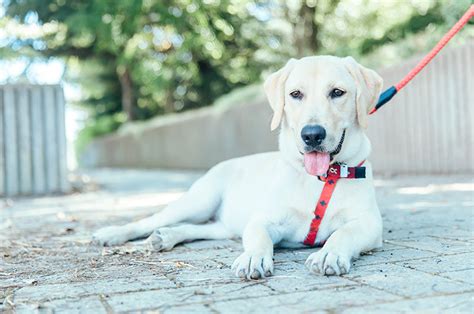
[316,164]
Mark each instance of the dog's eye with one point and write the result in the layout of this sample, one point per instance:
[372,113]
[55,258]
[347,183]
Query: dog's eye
[296,94]
[336,92]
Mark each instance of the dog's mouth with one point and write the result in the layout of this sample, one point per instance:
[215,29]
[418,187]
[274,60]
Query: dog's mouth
[317,161]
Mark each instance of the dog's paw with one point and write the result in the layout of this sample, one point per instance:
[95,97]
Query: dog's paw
[253,265]
[109,236]
[328,263]
[163,239]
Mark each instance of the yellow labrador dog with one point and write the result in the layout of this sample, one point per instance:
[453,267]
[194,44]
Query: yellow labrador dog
[267,199]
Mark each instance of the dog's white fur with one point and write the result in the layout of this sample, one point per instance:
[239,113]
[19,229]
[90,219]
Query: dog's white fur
[268,199]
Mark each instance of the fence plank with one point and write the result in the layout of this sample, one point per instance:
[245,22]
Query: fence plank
[52,173]
[2,144]
[24,141]
[38,141]
[468,110]
[10,129]
[61,140]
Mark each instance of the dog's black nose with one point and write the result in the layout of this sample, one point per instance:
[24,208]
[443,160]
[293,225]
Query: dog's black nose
[313,135]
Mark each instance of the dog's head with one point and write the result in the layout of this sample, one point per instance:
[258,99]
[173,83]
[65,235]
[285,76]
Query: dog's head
[319,98]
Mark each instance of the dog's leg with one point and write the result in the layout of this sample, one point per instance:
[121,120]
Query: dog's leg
[346,243]
[166,238]
[198,205]
[257,260]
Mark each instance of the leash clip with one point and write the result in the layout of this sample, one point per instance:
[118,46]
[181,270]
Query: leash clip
[344,171]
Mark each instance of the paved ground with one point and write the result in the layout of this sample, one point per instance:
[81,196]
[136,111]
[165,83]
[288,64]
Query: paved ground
[47,264]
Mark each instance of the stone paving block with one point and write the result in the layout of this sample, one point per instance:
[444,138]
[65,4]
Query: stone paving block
[388,247]
[194,277]
[442,263]
[404,281]
[390,256]
[389,253]
[205,293]
[458,303]
[261,305]
[193,261]
[414,231]
[214,244]
[457,232]
[427,212]
[297,255]
[187,309]
[438,245]
[408,231]
[294,277]
[126,269]
[70,306]
[224,255]
[79,289]
[466,276]
[307,301]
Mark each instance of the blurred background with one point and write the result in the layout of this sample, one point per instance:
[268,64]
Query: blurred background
[124,64]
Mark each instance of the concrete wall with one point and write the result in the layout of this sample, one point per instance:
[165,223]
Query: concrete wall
[427,128]
[32,140]
[195,139]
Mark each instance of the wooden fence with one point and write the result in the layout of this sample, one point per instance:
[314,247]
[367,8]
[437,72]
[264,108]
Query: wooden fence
[32,140]
[429,126]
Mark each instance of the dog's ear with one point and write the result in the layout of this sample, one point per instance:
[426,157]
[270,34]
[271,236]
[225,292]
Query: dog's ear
[275,89]
[369,87]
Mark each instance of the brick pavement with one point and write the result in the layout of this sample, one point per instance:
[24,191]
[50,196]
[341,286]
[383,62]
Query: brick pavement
[48,265]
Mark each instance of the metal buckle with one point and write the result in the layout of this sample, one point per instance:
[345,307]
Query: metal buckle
[344,171]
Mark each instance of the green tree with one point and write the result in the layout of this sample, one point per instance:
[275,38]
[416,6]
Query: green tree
[150,57]
[363,29]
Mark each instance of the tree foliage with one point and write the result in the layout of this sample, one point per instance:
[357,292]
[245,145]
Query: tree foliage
[151,56]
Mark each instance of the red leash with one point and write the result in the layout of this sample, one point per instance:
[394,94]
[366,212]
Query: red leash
[390,92]
[337,172]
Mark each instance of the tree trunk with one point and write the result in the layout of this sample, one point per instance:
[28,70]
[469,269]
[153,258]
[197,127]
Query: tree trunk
[168,104]
[311,29]
[307,31]
[128,97]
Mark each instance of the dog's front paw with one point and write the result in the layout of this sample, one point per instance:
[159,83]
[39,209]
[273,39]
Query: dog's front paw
[253,265]
[328,263]
[109,236]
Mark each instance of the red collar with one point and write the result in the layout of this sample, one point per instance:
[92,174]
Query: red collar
[342,171]
[335,172]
